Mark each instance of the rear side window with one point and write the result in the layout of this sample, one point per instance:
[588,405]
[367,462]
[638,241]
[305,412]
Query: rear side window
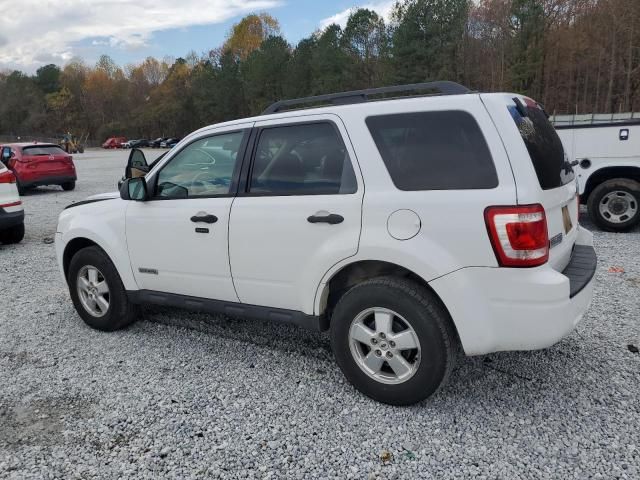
[304,159]
[544,146]
[442,150]
[42,150]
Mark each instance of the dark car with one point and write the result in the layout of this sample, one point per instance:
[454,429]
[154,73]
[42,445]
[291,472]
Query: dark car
[156,143]
[141,143]
[172,142]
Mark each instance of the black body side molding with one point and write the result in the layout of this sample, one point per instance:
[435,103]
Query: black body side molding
[233,309]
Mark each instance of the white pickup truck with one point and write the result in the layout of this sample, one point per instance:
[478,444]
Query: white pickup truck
[606,157]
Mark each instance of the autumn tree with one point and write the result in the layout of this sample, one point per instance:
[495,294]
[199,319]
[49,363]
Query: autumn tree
[248,34]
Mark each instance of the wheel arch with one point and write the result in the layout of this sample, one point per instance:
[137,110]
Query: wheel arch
[330,292]
[608,173]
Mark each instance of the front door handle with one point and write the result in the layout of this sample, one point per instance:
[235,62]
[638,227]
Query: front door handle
[331,218]
[204,218]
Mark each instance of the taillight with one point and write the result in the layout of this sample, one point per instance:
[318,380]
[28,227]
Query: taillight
[7,177]
[519,235]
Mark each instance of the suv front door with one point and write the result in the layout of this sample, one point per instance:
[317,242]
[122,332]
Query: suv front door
[178,240]
[299,213]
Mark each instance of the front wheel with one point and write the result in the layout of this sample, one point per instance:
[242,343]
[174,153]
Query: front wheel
[97,291]
[614,205]
[12,235]
[393,340]
[68,186]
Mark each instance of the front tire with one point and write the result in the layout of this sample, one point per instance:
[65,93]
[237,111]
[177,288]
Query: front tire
[393,340]
[12,235]
[97,291]
[614,205]
[68,186]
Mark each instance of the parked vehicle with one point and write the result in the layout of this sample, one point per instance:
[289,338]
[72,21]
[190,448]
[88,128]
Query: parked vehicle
[156,143]
[467,235]
[140,143]
[114,142]
[607,156]
[169,143]
[37,164]
[11,210]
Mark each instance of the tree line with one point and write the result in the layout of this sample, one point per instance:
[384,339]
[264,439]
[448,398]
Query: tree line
[574,56]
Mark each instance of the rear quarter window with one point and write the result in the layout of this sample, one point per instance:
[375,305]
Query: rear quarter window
[544,146]
[443,150]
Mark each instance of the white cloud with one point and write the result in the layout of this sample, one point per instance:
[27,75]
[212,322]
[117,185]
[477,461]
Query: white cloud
[34,30]
[382,8]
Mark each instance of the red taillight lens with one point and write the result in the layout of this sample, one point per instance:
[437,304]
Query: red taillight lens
[7,177]
[519,235]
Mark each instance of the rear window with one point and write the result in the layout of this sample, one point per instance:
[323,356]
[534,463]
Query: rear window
[544,146]
[434,151]
[43,150]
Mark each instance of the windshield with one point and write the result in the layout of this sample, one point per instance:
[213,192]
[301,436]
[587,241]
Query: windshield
[543,144]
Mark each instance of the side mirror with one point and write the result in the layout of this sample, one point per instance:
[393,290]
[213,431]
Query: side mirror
[134,189]
[136,165]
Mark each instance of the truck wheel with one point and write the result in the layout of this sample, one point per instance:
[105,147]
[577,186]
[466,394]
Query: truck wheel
[68,186]
[97,291]
[614,205]
[12,235]
[393,340]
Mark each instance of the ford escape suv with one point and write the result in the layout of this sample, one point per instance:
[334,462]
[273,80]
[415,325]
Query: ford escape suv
[407,226]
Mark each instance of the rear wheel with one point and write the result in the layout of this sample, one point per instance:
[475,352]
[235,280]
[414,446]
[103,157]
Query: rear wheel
[68,186]
[393,340]
[12,235]
[97,291]
[614,205]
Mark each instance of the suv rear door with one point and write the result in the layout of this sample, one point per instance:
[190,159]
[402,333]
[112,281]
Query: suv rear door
[541,169]
[299,213]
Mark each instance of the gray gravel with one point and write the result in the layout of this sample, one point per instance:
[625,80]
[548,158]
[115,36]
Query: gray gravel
[197,396]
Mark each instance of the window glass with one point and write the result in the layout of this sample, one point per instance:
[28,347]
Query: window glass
[203,168]
[307,159]
[442,150]
[43,150]
[544,147]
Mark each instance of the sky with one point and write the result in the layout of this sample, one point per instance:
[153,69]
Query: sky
[34,33]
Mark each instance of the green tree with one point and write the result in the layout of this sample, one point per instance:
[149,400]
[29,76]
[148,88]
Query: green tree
[527,56]
[428,38]
[330,62]
[48,78]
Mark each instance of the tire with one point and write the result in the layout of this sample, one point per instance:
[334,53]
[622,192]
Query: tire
[120,312]
[68,186]
[80,149]
[21,189]
[626,194]
[12,235]
[412,305]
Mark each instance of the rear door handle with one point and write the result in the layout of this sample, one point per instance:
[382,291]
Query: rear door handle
[332,219]
[204,218]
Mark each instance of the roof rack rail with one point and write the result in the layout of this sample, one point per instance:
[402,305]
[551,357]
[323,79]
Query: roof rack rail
[361,96]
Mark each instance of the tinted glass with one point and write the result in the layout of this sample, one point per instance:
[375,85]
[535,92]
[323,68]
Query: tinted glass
[203,168]
[544,147]
[308,159]
[434,151]
[43,150]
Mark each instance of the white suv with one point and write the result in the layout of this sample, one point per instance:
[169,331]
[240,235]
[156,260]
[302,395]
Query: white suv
[407,226]
[11,210]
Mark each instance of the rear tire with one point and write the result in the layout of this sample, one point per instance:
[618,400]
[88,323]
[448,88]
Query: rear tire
[12,235]
[68,186]
[426,359]
[614,205]
[118,312]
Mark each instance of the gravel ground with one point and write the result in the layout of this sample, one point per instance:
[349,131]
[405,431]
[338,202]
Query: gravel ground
[198,396]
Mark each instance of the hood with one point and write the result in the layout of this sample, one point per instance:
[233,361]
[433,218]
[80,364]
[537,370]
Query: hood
[104,196]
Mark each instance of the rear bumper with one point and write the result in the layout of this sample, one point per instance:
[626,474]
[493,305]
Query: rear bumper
[10,219]
[498,309]
[47,180]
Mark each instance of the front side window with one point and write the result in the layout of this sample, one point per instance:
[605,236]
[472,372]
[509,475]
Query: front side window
[442,150]
[203,168]
[305,159]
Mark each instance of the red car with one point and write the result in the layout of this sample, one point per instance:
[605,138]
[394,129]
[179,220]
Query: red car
[36,164]
[114,142]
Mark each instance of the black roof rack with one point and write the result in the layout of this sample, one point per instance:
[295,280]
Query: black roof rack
[361,96]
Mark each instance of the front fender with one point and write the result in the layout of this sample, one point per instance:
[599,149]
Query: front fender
[103,223]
